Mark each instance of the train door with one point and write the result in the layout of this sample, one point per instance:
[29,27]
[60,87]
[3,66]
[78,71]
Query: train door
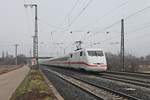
[81,60]
[77,60]
[70,60]
[74,59]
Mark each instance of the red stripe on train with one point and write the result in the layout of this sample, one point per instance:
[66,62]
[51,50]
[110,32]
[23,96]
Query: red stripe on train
[84,63]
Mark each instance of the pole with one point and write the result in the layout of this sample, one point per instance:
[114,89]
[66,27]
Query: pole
[122,45]
[16,50]
[33,46]
[35,37]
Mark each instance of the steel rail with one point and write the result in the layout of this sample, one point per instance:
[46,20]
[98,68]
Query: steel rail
[131,79]
[110,91]
[133,74]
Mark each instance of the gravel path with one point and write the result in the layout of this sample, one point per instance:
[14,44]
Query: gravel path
[10,81]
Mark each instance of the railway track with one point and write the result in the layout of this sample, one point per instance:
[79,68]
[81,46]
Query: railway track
[138,79]
[131,78]
[97,91]
[133,74]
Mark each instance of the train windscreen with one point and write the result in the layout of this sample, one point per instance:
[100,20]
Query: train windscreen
[95,53]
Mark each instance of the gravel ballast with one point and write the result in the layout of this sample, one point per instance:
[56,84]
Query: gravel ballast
[67,90]
[136,91]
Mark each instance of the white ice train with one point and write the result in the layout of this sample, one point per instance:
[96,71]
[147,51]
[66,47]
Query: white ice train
[86,59]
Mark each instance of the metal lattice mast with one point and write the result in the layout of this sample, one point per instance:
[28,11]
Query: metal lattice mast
[16,53]
[35,37]
[122,45]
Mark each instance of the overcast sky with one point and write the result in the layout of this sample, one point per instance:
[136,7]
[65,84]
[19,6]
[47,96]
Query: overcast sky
[56,18]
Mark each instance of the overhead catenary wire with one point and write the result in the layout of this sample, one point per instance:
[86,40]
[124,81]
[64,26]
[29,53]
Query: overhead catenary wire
[83,9]
[137,30]
[110,39]
[117,22]
[51,26]
[76,3]
[127,17]
[70,12]
[102,31]
[137,12]
[106,14]
[69,45]
[78,15]
[81,12]
[108,27]
[133,31]
[28,22]
[141,28]
[31,12]
[141,36]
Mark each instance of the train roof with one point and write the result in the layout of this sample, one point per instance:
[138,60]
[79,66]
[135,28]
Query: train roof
[60,57]
[86,49]
[93,49]
[83,49]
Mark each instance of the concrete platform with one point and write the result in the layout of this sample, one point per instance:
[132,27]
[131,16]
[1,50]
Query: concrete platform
[10,81]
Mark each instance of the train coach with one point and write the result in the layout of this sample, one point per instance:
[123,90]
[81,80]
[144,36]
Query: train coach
[85,59]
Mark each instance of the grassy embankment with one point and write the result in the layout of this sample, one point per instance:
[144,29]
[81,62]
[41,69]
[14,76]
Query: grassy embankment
[33,87]
[8,68]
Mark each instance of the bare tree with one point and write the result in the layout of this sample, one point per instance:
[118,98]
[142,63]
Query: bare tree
[114,62]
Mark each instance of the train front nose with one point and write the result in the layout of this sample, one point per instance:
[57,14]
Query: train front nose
[98,68]
[102,67]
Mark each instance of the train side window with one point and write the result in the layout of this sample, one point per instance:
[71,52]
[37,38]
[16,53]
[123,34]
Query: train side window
[71,55]
[81,53]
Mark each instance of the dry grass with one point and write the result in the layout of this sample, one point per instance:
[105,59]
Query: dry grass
[33,87]
[8,68]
